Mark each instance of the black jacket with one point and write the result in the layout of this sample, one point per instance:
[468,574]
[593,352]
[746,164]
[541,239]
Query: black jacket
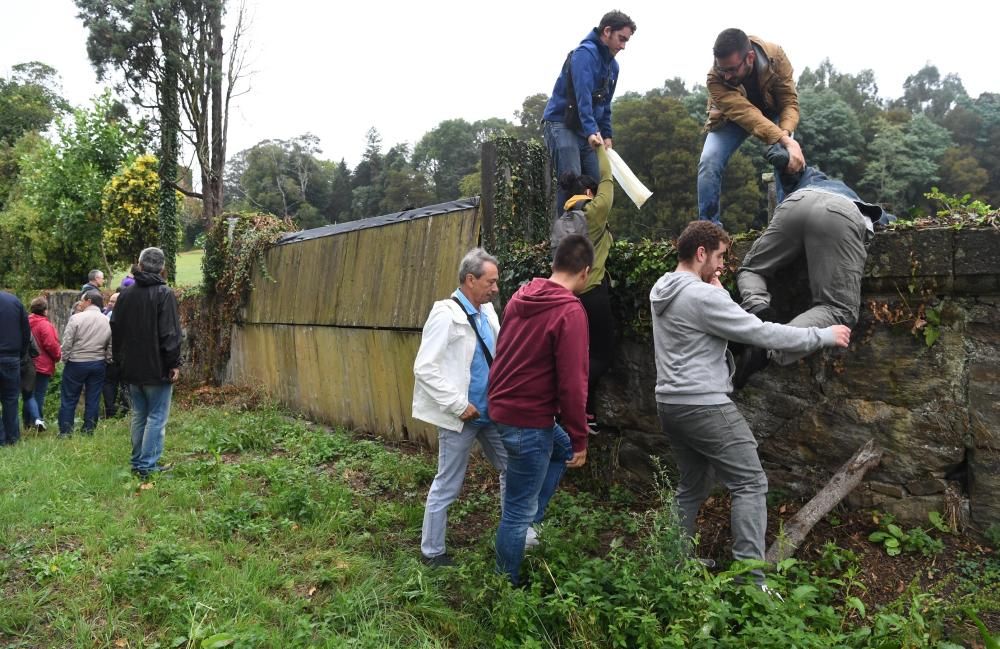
[146,332]
[14,331]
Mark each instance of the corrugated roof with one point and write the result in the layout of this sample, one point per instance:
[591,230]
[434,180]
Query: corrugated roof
[378,221]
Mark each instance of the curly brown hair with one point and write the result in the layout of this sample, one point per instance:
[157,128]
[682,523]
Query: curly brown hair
[700,234]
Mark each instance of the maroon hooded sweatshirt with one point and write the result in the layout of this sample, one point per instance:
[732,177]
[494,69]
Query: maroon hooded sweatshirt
[542,362]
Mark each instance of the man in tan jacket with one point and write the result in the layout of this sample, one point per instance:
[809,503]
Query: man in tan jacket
[751,91]
[86,348]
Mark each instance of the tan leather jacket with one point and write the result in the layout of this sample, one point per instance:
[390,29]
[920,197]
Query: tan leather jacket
[777,85]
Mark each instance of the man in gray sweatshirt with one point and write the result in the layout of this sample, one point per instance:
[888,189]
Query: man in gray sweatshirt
[693,318]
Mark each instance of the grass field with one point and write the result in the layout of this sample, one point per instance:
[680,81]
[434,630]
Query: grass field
[189,268]
[272,532]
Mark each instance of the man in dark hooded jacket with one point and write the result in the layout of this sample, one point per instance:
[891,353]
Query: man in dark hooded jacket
[146,347]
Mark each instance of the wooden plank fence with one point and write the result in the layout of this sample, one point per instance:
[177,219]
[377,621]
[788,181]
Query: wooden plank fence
[335,334]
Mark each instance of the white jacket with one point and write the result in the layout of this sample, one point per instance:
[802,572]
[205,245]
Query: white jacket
[442,370]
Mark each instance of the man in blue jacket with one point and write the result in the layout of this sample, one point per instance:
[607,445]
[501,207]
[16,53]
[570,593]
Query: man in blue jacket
[578,115]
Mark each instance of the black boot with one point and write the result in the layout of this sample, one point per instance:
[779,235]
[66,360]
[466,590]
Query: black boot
[750,361]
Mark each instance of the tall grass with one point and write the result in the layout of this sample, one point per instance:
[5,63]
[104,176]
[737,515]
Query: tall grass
[273,533]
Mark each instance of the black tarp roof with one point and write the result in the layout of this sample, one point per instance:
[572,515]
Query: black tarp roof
[378,221]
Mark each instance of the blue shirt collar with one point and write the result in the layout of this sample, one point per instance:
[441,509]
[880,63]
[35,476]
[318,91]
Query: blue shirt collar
[468,306]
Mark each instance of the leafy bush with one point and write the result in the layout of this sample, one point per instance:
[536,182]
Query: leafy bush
[895,540]
[633,268]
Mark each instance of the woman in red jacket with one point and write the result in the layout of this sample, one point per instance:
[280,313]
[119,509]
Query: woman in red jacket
[45,363]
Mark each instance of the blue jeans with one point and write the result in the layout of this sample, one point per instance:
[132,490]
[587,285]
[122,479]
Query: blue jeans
[33,407]
[569,152]
[76,376]
[536,461]
[720,145]
[150,408]
[10,391]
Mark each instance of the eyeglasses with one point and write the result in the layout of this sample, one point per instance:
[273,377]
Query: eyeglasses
[733,69]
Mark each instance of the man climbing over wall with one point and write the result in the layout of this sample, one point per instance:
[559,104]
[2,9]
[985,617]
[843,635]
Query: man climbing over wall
[577,117]
[825,221]
[541,373]
[693,318]
[451,374]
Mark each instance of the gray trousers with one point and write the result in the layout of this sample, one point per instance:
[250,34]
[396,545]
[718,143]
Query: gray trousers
[453,460]
[830,231]
[715,442]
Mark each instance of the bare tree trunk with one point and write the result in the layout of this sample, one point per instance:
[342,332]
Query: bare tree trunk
[169,127]
[217,157]
[842,483]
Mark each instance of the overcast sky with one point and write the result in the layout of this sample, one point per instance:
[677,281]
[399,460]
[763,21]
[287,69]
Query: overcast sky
[336,69]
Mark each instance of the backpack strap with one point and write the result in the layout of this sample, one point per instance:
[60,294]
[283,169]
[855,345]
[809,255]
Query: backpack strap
[475,329]
[579,205]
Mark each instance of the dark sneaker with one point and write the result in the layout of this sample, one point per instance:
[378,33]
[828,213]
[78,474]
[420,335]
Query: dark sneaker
[592,424]
[440,561]
[750,361]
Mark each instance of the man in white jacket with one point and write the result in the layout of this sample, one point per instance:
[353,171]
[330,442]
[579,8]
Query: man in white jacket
[451,376]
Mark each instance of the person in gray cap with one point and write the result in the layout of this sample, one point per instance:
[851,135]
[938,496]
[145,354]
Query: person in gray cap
[824,220]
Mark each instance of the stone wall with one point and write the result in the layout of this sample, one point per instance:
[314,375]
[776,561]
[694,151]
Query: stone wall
[934,409]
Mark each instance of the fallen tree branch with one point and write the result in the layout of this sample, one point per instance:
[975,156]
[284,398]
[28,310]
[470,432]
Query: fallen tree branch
[842,483]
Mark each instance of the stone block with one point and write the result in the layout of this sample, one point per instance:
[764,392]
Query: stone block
[977,252]
[984,403]
[984,487]
[906,254]
[865,498]
[891,365]
[927,487]
[915,509]
[891,490]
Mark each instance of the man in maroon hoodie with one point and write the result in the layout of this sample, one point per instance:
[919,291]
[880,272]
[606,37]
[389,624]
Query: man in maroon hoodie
[540,372]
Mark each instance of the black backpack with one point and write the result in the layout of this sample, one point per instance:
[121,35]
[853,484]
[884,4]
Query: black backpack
[572,221]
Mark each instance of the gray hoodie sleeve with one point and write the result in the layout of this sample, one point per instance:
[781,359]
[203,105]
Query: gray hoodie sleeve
[722,317]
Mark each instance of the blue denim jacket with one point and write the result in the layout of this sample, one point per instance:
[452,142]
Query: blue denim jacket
[816,179]
[777,155]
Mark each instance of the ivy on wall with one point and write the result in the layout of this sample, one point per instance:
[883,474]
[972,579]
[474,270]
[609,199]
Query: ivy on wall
[633,267]
[235,243]
[523,196]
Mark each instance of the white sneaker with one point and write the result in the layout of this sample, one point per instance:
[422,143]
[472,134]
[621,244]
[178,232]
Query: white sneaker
[40,425]
[531,537]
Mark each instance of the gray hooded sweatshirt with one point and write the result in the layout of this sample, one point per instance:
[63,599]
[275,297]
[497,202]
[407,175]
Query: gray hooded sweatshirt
[692,322]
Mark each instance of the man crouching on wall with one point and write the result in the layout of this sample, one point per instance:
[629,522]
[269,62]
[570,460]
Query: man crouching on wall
[451,376]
